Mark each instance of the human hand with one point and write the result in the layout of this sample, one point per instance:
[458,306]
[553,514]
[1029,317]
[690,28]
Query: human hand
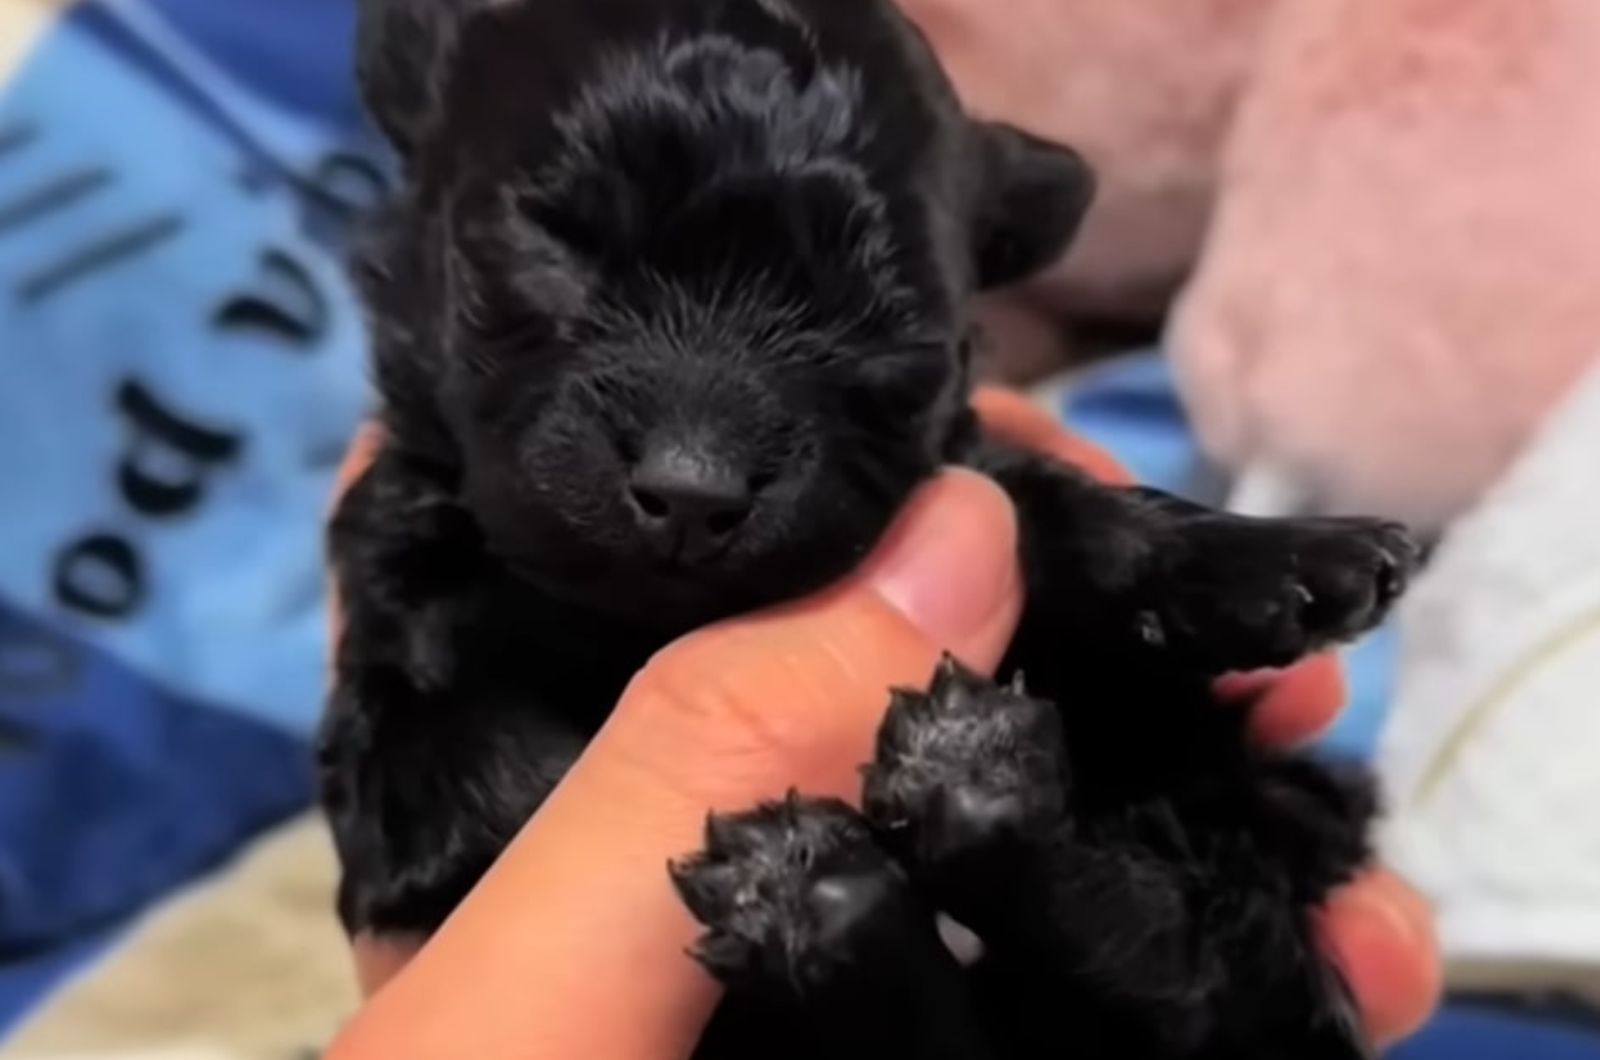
[533,964]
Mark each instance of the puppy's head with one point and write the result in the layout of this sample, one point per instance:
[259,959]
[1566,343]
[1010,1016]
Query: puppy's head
[676,289]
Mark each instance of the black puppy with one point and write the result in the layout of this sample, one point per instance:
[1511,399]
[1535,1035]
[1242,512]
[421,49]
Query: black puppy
[670,318]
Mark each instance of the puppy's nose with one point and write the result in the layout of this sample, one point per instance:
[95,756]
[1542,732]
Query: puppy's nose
[688,502]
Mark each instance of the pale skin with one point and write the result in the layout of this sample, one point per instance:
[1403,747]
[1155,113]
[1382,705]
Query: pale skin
[574,944]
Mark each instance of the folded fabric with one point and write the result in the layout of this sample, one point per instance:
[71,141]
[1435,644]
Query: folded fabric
[294,54]
[1477,1032]
[1490,751]
[1145,90]
[165,479]
[182,360]
[249,965]
[113,790]
[1393,293]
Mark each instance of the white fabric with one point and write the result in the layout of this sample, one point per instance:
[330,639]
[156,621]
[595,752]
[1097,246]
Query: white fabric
[1491,756]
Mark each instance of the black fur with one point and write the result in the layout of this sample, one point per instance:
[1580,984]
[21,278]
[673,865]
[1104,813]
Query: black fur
[670,318]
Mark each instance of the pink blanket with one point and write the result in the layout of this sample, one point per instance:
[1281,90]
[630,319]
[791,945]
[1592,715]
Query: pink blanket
[1377,213]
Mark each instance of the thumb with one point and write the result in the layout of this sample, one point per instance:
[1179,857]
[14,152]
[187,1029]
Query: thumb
[792,697]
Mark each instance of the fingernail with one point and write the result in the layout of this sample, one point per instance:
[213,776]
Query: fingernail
[1387,954]
[1380,910]
[950,562]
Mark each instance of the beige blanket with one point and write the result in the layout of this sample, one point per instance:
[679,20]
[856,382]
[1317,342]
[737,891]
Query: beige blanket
[250,966]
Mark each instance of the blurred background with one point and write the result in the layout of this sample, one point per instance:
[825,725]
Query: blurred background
[1343,260]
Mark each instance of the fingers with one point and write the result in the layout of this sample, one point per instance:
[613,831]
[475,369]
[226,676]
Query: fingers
[1291,707]
[949,566]
[1017,420]
[378,960]
[573,944]
[1380,932]
[361,452]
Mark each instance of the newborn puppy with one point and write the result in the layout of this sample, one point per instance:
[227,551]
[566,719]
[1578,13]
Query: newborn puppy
[669,320]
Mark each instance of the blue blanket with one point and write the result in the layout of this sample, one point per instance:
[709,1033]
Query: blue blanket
[182,365]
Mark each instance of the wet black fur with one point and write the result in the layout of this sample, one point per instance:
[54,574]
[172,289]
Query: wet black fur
[754,226]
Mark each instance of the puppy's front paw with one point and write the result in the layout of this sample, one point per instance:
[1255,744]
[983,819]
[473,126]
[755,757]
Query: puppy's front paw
[793,895]
[1250,593]
[965,771]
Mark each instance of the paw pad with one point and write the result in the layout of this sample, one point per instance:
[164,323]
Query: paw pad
[788,893]
[965,768]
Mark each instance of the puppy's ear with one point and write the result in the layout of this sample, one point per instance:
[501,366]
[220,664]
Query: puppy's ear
[404,51]
[1032,196]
